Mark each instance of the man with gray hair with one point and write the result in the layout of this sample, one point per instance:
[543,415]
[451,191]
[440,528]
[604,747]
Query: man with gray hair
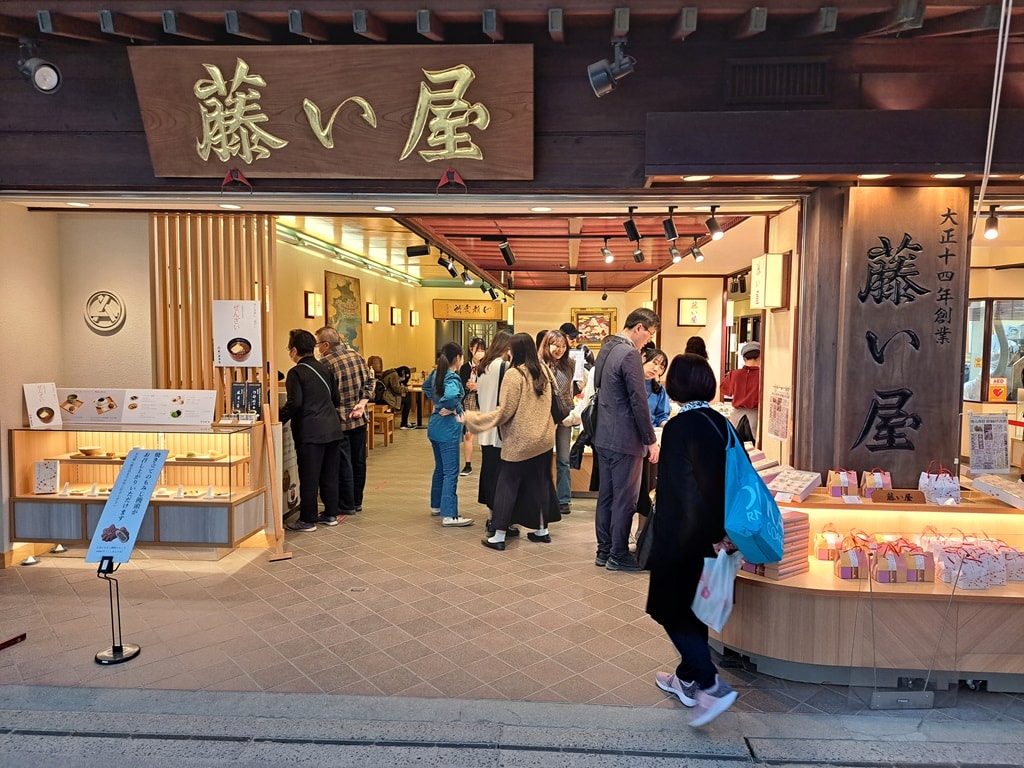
[355,387]
[624,436]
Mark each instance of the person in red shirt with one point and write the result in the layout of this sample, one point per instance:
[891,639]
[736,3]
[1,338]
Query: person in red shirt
[743,385]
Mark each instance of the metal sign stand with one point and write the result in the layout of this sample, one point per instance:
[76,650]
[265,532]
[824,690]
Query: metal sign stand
[118,652]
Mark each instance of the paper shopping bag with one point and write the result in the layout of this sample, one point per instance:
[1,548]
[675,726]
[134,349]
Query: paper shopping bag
[842,482]
[875,480]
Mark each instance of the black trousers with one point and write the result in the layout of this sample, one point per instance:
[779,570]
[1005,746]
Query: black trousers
[356,439]
[346,482]
[318,473]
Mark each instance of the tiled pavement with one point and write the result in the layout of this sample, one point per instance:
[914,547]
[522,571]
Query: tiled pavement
[388,604]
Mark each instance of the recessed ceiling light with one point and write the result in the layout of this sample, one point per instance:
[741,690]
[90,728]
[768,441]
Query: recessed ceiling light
[784,176]
[540,209]
[948,175]
[79,205]
[230,206]
[695,178]
[872,176]
[383,208]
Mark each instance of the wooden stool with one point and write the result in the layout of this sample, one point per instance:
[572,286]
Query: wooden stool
[385,421]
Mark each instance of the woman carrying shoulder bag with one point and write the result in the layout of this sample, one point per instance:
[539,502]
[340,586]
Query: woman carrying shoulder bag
[524,493]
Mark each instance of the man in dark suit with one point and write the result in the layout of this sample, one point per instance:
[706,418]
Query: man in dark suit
[624,437]
[311,407]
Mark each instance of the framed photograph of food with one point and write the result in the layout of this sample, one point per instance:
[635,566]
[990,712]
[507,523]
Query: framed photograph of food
[343,309]
[594,323]
[693,312]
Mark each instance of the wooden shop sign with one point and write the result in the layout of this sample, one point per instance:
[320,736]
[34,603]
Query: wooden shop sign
[454,309]
[359,112]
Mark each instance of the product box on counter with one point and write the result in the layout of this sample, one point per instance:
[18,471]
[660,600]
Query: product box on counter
[795,482]
[1003,488]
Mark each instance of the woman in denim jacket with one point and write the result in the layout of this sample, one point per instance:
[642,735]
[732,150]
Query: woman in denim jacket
[444,430]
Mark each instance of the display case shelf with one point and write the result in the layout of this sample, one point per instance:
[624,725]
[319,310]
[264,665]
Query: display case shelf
[200,502]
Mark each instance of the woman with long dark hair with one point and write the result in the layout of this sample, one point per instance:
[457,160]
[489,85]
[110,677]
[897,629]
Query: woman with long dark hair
[444,430]
[524,493]
[554,351]
[492,369]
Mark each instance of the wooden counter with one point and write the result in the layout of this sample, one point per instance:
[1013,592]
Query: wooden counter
[815,627]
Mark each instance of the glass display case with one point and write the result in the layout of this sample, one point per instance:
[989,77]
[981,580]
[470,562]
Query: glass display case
[210,491]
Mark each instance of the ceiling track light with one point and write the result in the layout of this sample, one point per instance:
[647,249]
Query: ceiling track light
[698,254]
[44,75]
[484,287]
[467,279]
[675,254]
[605,75]
[448,263]
[992,223]
[630,226]
[493,293]
[609,257]
[604,296]
[583,281]
[742,281]
[510,282]
[506,252]
[714,229]
[418,250]
[638,254]
[670,225]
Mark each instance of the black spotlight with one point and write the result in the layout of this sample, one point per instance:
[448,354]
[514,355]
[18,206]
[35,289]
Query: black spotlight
[494,294]
[630,226]
[510,282]
[418,250]
[742,281]
[675,254]
[506,252]
[670,225]
[449,263]
[583,281]
[698,254]
[604,296]
[467,279]
[638,254]
[604,75]
[484,286]
[44,76]
[733,285]
[714,229]
[609,257]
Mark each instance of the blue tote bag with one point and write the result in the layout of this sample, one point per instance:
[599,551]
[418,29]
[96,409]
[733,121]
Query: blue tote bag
[752,518]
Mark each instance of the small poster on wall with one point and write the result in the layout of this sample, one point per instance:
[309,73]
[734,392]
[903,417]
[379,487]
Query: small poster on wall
[41,402]
[778,413]
[237,334]
[989,442]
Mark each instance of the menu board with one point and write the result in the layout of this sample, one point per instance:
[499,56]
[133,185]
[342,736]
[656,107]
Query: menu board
[41,402]
[137,406]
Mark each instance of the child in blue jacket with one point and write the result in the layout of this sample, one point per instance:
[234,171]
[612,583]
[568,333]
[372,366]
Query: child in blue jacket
[444,430]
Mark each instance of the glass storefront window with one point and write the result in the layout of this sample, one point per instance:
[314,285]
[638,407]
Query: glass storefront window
[994,347]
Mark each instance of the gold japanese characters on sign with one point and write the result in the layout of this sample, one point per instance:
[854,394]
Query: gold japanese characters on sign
[338,112]
[457,309]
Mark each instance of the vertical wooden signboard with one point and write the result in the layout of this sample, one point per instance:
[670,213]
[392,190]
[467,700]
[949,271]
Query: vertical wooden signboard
[900,356]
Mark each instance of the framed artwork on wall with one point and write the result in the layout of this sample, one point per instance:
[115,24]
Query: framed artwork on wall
[594,324]
[343,308]
[693,312]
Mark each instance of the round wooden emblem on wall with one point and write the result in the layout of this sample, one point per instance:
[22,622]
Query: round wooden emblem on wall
[104,312]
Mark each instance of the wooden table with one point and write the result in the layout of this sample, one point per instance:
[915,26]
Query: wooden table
[423,403]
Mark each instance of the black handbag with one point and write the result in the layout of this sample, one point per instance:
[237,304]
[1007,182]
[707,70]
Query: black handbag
[645,541]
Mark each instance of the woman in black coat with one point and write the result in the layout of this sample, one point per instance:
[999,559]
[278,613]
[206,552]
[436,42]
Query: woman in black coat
[690,525]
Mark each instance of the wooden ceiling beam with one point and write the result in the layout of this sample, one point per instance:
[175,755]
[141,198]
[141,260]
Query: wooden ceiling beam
[556,25]
[183,25]
[908,15]
[685,24]
[61,25]
[369,26]
[822,22]
[493,24]
[122,25]
[751,23]
[11,27]
[249,27]
[984,19]
[307,26]
[428,25]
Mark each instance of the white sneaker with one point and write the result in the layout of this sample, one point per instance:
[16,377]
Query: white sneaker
[713,702]
[686,692]
[456,522]
[435,512]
